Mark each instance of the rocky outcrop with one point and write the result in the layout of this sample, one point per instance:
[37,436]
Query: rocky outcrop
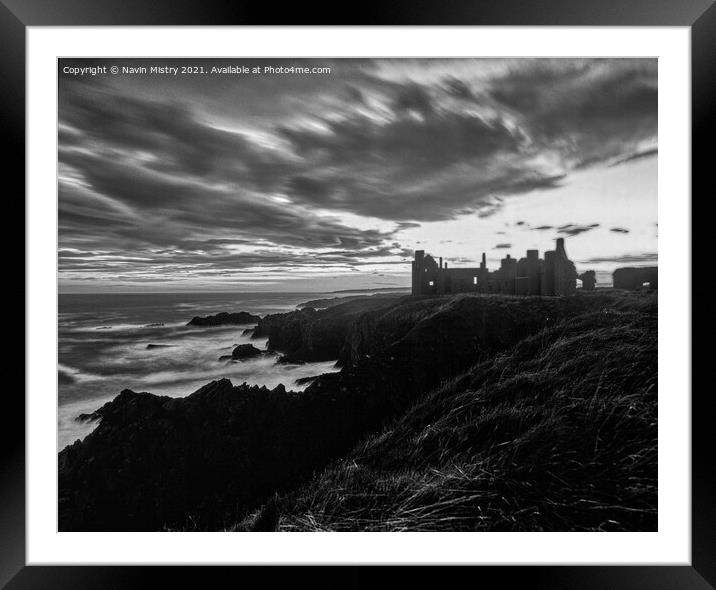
[224,319]
[241,352]
[397,353]
[310,335]
[199,461]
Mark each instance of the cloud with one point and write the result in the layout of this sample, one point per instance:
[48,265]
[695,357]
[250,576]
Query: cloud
[626,258]
[406,225]
[138,174]
[639,155]
[459,89]
[574,230]
[420,165]
[619,230]
[414,98]
[502,246]
[588,111]
[542,227]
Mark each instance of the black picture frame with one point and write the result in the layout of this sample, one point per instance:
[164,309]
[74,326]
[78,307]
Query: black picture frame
[699,15]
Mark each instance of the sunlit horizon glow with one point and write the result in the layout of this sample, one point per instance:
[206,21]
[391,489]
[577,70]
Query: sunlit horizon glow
[330,182]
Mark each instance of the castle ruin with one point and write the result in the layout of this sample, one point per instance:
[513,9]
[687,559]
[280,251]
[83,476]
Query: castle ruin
[553,275]
[635,279]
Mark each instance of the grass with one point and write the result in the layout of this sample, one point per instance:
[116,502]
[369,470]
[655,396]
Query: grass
[557,433]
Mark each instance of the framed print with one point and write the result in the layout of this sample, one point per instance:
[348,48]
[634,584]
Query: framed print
[360,295]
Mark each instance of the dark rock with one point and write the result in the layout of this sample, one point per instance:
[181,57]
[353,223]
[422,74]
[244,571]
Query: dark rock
[247,332]
[210,454]
[310,335]
[153,346]
[225,319]
[243,351]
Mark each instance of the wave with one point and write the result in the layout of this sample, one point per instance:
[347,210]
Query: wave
[74,375]
[120,327]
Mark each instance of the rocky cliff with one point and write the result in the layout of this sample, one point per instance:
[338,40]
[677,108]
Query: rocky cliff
[310,335]
[224,319]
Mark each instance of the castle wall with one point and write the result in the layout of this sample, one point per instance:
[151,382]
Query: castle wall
[549,273]
[462,280]
[634,278]
[522,286]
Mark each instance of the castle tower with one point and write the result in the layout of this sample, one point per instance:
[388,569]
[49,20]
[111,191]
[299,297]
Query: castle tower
[560,248]
[565,273]
[417,267]
[426,274]
[533,272]
[509,272]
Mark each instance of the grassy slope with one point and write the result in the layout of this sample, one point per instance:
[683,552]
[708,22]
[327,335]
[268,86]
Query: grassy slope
[557,433]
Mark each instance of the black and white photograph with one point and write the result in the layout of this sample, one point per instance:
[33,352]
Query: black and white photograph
[357,294]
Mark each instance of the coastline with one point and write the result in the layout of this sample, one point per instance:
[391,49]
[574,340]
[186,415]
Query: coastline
[392,351]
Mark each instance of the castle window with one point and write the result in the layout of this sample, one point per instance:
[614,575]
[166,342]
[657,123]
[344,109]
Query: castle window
[431,283]
[474,280]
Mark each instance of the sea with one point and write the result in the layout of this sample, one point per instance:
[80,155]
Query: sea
[114,341]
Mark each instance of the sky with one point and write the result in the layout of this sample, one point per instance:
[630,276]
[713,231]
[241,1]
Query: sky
[270,180]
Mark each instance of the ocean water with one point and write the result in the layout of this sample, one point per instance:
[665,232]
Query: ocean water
[103,348]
